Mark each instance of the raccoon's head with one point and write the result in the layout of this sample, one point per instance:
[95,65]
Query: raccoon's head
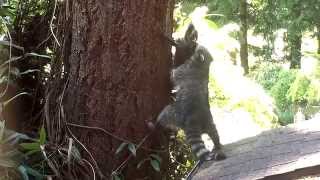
[186,46]
[202,55]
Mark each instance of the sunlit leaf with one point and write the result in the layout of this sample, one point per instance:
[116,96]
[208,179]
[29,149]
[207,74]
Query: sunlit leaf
[211,24]
[43,136]
[31,146]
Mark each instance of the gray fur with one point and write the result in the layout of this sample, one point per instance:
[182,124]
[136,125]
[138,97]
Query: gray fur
[191,110]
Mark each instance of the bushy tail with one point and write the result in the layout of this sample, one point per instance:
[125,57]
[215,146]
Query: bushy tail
[193,137]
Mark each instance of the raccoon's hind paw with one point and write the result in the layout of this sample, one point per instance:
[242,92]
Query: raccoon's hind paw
[218,155]
[207,157]
[213,156]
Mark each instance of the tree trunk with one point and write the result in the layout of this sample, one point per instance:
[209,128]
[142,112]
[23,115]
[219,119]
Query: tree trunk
[295,50]
[318,37]
[295,39]
[243,36]
[118,63]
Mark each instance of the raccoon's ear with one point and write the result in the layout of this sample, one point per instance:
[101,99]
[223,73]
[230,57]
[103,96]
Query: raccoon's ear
[191,34]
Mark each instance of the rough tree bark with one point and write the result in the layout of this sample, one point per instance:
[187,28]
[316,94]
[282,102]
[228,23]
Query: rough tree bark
[118,78]
[295,50]
[295,39]
[243,36]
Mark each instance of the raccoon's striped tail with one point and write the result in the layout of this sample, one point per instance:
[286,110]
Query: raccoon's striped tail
[193,137]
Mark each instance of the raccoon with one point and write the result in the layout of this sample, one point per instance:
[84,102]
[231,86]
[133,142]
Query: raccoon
[191,111]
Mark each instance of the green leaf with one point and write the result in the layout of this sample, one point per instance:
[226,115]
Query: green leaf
[120,148]
[43,136]
[116,177]
[155,164]
[31,146]
[211,24]
[32,152]
[133,149]
[4,11]
[34,173]
[156,157]
[23,172]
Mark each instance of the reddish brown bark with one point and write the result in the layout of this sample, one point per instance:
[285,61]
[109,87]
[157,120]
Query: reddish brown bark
[118,77]
[243,36]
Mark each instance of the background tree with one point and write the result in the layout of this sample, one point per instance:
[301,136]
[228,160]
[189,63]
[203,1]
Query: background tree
[294,33]
[294,16]
[234,11]
[243,36]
